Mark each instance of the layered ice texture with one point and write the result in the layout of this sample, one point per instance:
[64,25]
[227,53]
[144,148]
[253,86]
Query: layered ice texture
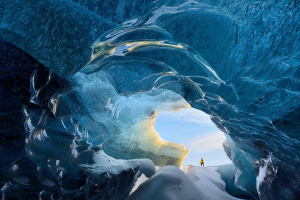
[91,76]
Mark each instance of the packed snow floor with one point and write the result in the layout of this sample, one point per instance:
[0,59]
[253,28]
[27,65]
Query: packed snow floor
[170,182]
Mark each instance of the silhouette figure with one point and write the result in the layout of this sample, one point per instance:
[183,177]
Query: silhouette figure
[202,162]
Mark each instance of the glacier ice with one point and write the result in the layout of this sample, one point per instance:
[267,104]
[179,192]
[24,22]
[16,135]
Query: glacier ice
[227,173]
[37,30]
[238,61]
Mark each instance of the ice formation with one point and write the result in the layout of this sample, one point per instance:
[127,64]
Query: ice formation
[90,77]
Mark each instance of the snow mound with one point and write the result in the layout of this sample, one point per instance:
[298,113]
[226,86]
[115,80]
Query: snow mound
[209,182]
[171,183]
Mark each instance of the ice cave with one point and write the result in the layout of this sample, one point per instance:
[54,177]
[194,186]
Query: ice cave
[82,82]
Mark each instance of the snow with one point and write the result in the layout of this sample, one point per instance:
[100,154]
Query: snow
[261,176]
[143,177]
[170,183]
[147,167]
[209,182]
[267,172]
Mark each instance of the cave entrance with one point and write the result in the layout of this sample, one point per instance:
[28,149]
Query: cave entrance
[194,129]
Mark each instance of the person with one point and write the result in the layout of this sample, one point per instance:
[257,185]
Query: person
[202,162]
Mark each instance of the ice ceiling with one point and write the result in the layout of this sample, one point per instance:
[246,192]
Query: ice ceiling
[101,71]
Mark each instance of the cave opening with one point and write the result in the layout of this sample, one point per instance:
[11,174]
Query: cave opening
[193,129]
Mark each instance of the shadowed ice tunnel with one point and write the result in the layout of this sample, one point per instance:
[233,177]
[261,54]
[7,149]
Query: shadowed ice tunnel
[88,84]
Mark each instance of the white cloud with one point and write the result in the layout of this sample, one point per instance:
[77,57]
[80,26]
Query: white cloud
[210,142]
[186,115]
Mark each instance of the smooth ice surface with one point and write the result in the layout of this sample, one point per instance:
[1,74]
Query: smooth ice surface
[228,176]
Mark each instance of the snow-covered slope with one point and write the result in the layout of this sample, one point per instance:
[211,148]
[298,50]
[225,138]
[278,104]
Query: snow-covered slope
[169,183]
[209,182]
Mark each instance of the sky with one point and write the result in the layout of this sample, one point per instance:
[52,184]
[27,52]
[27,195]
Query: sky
[194,129]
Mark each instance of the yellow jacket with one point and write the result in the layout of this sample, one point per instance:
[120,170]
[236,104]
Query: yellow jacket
[201,161]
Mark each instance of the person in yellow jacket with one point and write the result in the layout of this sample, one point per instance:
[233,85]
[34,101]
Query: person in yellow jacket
[201,162]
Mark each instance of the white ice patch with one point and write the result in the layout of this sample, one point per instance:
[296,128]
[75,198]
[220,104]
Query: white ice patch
[261,176]
[267,170]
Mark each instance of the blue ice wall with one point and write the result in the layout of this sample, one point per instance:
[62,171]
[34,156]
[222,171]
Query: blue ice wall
[36,27]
